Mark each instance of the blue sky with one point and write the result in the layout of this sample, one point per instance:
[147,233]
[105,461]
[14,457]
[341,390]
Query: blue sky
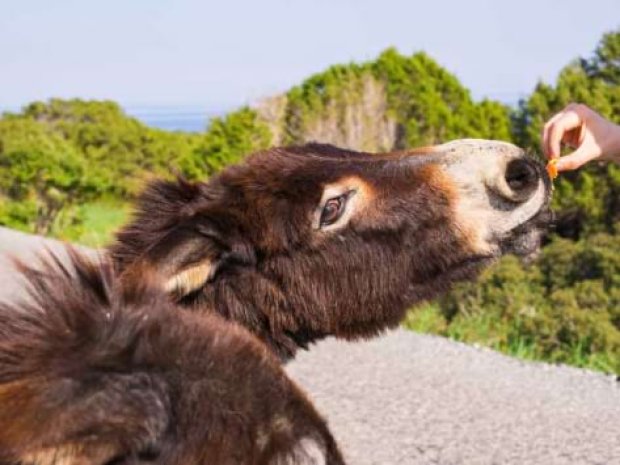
[224,53]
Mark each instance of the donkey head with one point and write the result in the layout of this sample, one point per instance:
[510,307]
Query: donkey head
[303,242]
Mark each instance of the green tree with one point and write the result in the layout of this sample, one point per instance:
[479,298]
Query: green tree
[40,175]
[229,139]
[428,104]
[431,104]
[63,152]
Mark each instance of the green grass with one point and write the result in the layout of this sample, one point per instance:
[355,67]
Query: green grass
[489,332]
[99,221]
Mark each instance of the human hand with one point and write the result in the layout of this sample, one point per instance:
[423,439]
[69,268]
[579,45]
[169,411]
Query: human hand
[581,128]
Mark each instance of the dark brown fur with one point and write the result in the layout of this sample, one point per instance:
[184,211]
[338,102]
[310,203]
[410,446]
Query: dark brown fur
[95,372]
[286,282]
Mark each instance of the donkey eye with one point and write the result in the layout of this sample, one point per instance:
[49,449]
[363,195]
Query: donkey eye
[333,210]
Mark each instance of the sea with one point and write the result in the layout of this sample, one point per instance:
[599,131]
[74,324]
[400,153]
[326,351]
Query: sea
[186,118]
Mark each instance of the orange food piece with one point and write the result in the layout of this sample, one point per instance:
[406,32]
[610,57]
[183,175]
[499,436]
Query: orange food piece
[552,169]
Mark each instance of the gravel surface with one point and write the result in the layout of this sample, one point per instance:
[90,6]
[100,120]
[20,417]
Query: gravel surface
[25,247]
[407,398]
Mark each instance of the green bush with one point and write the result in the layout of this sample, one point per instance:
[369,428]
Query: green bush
[564,308]
[40,175]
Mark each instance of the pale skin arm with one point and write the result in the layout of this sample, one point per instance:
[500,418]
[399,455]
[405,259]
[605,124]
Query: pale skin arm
[580,127]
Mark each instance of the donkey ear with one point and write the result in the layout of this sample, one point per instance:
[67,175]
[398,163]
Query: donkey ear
[180,232]
[190,279]
[187,261]
[186,258]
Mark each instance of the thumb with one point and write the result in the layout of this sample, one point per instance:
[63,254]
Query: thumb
[575,159]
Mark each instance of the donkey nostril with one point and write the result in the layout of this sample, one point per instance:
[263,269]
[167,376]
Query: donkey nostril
[522,178]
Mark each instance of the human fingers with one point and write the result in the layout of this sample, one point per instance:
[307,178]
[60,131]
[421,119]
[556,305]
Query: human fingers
[567,121]
[576,159]
[545,133]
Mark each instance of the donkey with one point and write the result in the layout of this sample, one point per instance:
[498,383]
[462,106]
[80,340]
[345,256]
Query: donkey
[169,352]
[299,243]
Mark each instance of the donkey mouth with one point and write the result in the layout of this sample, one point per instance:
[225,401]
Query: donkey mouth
[525,240]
